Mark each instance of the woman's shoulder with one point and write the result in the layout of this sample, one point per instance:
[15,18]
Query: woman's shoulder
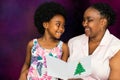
[77,38]
[115,40]
[114,45]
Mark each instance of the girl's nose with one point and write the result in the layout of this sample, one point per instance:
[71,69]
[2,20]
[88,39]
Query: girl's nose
[61,28]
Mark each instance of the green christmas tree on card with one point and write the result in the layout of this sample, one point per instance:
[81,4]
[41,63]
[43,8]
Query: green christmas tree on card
[79,69]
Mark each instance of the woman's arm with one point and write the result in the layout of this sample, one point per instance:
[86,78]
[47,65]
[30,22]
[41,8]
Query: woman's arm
[24,71]
[115,67]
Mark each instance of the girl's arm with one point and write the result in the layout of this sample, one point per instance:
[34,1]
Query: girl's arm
[24,71]
[65,54]
[115,67]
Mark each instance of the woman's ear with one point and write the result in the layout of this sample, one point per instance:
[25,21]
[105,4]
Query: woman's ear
[45,25]
[104,21]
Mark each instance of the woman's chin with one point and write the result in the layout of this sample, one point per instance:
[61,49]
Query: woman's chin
[87,34]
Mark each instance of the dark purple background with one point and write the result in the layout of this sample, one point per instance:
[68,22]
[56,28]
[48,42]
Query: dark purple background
[17,28]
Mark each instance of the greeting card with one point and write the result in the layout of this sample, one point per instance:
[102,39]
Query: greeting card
[66,70]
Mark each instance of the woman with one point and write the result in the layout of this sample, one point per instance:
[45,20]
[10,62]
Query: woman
[97,42]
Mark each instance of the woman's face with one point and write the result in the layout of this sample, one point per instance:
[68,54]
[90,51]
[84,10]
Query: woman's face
[93,23]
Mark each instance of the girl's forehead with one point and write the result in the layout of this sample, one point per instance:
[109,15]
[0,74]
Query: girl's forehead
[57,17]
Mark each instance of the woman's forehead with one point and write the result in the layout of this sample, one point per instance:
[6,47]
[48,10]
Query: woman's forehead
[92,12]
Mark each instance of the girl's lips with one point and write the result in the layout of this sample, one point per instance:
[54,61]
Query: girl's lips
[59,33]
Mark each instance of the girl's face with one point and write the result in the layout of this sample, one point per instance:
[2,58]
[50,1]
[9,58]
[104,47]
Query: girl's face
[93,23]
[55,27]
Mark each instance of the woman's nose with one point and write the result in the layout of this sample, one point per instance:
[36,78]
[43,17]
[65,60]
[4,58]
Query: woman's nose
[84,23]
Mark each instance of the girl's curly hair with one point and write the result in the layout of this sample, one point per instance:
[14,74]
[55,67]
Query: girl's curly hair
[45,12]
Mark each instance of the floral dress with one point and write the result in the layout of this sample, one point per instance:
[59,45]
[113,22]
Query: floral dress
[38,67]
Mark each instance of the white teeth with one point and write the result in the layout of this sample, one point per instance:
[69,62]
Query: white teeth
[87,29]
[59,33]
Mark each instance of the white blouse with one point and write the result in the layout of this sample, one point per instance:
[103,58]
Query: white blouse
[107,48]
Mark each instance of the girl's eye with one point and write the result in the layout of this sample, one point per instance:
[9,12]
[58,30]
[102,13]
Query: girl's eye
[58,24]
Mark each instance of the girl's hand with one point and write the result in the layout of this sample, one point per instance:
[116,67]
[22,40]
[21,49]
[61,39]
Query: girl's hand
[23,77]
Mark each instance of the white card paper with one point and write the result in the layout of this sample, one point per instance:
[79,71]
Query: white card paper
[60,69]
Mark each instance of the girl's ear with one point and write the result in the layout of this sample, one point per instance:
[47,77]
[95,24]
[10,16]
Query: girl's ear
[45,25]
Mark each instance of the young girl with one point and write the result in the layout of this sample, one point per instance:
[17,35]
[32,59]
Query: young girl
[50,21]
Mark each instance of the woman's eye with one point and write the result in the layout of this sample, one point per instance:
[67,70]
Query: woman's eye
[89,20]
